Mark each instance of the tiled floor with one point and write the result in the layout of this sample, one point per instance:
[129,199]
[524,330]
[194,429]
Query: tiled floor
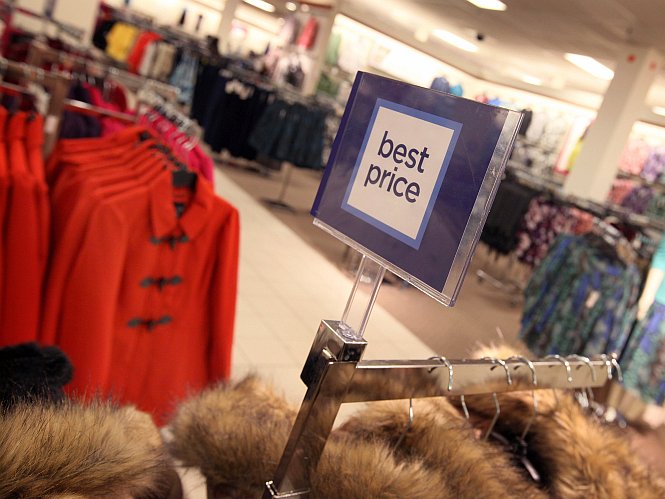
[285,289]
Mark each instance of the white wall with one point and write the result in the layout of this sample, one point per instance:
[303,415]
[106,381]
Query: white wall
[168,12]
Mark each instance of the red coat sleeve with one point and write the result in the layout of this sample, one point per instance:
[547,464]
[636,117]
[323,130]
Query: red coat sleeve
[223,298]
[23,262]
[90,296]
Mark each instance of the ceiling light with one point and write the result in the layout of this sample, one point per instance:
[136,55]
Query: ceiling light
[291,6]
[422,35]
[455,40]
[591,66]
[261,4]
[305,7]
[659,110]
[531,80]
[488,4]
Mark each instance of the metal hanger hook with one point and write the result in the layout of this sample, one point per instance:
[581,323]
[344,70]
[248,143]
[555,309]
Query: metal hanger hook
[524,360]
[616,365]
[451,371]
[608,365]
[565,363]
[586,360]
[496,417]
[408,425]
[500,362]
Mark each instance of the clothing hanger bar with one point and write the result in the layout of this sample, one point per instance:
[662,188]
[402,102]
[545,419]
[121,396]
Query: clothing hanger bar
[85,108]
[430,378]
[334,374]
[131,80]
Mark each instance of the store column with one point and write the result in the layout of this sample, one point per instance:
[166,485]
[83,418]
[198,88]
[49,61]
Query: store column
[319,53]
[597,164]
[224,31]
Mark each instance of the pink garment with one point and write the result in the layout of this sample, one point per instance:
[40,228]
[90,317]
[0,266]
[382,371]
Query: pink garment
[634,156]
[195,158]
[109,125]
[620,189]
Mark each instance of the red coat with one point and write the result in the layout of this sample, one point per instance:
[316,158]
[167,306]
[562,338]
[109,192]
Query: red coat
[145,299]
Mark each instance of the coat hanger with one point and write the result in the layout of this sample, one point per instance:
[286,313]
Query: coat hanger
[408,425]
[509,381]
[521,448]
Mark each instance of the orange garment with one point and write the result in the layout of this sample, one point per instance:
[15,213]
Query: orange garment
[26,244]
[147,298]
[138,51]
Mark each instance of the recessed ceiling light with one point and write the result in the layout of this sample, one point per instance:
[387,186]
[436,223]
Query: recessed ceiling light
[291,6]
[591,66]
[455,40]
[305,7]
[488,4]
[659,110]
[261,4]
[531,80]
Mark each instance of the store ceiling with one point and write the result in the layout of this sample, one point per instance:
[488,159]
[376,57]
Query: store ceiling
[528,39]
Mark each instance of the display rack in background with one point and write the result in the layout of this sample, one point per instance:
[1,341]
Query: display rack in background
[251,123]
[135,42]
[531,211]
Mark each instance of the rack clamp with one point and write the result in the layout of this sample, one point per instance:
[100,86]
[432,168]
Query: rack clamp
[328,372]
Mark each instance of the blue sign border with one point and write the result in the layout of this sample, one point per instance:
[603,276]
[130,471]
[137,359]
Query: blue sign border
[455,126]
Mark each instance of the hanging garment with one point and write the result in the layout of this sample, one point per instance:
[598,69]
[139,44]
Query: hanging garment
[148,59]
[644,362]
[30,374]
[253,430]
[183,77]
[26,230]
[644,359]
[543,222]
[571,448]
[638,199]
[579,300]
[163,65]
[167,258]
[621,188]
[120,40]
[72,450]
[654,166]
[506,216]
[441,84]
[299,139]
[145,39]
[307,37]
[76,125]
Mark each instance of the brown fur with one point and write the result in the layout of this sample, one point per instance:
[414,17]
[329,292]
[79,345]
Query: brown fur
[234,434]
[582,458]
[446,443]
[74,450]
[369,470]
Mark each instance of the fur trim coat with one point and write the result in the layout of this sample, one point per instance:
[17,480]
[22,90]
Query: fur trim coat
[72,450]
[236,433]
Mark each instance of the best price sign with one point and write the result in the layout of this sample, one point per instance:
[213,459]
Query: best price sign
[411,178]
[400,169]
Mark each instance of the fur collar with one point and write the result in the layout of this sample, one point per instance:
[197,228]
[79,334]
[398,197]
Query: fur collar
[235,434]
[581,458]
[446,442]
[74,450]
